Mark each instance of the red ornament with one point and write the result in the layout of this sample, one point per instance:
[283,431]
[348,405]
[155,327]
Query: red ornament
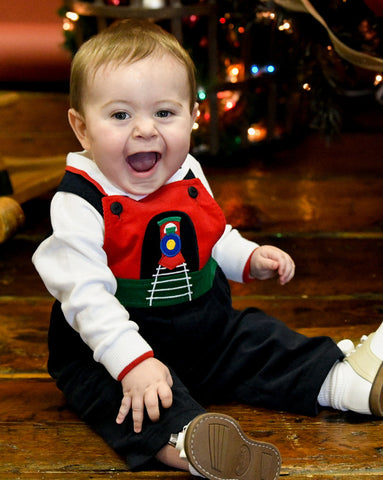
[376,6]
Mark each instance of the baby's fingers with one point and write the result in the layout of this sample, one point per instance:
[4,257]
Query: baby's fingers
[286,272]
[152,406]
[137,413]
[166,396]
[152,397]
[124,409]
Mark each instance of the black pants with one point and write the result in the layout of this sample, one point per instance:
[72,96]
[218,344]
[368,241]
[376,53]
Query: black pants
[215,355]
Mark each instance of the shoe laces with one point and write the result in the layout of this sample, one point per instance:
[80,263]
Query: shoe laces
[347,346]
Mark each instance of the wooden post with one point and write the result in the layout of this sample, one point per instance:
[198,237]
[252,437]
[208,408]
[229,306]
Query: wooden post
[11,218]
[11,214]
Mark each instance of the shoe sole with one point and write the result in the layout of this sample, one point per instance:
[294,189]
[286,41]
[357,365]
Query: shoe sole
[376,395]
[218,449]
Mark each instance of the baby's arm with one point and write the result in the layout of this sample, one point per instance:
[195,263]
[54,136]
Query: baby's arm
[143,387]
[232,252]
[73,266]
[268,261]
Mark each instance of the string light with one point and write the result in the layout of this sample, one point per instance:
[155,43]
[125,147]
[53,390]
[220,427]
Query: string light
[235,73]
[201,94]
[69,21]
[72,16]
[265,16]
[256,133]
[286,25]
[68,25]
[228,99]
[256,70]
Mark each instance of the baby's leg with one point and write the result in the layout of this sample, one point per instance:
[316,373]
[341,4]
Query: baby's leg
[170,456]
[356,383]
[96,397]
[264,363]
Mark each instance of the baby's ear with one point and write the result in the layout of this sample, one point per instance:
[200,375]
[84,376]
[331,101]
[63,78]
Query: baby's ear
[195,111]
[77,122]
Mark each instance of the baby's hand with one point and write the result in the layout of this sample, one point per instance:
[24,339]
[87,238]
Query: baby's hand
[147,382]
[267,262]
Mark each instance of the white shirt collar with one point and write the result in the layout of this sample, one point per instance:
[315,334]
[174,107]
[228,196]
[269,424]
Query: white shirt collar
[81,161]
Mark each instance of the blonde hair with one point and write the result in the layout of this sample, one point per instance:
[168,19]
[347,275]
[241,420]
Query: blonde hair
[125,42]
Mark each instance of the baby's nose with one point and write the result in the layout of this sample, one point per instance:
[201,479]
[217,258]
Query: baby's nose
[144,127]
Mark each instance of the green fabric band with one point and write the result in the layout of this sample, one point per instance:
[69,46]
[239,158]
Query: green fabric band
[169,287]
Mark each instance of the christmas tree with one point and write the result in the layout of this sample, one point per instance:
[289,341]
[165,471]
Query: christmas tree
[284,66]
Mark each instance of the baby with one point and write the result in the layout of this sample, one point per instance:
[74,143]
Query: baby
[143,332]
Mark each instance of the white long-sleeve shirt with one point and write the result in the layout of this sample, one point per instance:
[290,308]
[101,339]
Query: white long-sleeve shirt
[73,266]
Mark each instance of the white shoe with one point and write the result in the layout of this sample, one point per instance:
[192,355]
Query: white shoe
[368,367]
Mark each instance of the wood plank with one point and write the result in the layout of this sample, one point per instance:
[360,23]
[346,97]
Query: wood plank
[74,448]
[111,474]
[328,266]
[24,324]
[310,187]
[18,276]
[34,411]
[297,312]
[33,177]
[321,203]
[260,203]
[34,112]
[283,204]
[28,117]
[324,266]
[319,185]
[318,311]
[35,145]
[36,124]
[65,446]
[23,335]
[359,475]
[351,154]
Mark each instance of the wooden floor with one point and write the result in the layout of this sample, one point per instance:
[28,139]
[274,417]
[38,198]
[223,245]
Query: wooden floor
[323,204]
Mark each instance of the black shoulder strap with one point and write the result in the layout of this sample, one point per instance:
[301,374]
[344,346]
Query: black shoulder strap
[190,175]
[77,184]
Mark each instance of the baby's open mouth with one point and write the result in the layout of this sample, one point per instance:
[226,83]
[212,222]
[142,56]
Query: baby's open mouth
[143,161]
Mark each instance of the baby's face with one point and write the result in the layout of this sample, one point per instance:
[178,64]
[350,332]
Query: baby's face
[137,122]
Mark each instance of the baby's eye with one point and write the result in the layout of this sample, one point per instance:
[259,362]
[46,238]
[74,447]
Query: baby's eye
[120,115]
[163,113]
